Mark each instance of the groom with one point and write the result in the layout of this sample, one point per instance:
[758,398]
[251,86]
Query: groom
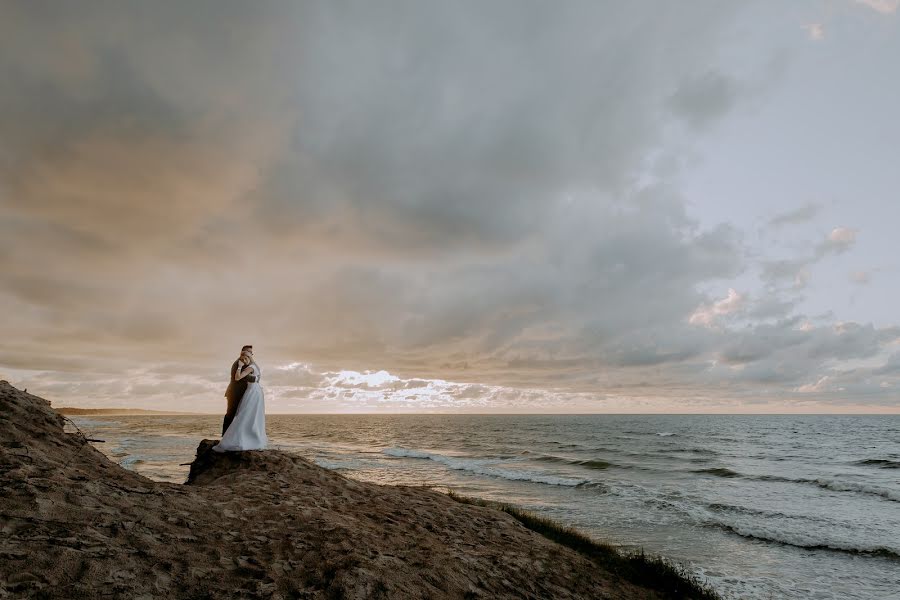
[235,390]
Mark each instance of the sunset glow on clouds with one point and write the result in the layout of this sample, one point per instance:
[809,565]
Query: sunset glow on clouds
[464,209]
[883,6]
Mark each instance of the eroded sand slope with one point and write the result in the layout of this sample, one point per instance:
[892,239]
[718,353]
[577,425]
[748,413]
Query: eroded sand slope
[254,524]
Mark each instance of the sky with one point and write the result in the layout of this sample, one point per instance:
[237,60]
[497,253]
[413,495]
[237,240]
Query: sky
[421,206]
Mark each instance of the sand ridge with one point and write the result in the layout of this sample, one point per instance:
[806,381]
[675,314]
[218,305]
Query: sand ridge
[261,524]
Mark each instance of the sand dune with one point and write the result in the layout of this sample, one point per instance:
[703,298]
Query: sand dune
[262,524]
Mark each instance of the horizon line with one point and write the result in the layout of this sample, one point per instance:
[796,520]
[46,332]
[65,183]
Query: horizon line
[154,412]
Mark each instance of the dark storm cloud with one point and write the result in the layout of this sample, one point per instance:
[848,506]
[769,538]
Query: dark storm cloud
[890,367]
[704,98]
[441,190]
[786,353]
[449,127]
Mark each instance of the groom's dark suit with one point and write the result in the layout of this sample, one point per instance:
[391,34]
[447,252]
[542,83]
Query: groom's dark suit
[234,393]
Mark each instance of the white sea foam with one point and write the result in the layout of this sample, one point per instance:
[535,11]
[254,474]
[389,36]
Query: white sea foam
[86,423]
[841,486]
[837,486]
[130,461]
[335,465]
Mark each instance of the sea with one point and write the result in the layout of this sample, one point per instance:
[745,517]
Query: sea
[759,507]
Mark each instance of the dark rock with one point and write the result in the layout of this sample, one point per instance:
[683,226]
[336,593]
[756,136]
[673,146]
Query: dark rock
[209,465]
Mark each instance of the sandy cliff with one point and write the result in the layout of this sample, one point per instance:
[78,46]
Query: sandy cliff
[255,524]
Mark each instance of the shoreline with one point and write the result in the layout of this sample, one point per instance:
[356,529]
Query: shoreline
[71,410]
[674,487]
[267,524]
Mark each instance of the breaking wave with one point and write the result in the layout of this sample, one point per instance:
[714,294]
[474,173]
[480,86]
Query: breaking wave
[837,486]
[825,484]
[588,464]
[719,472]
[880,463]
[797,541]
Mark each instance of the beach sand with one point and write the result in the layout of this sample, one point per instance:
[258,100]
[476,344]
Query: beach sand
[260,524]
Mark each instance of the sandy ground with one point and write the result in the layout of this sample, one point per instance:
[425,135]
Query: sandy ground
[262,524]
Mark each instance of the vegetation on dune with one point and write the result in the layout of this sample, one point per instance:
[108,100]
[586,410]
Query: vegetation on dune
[654,572]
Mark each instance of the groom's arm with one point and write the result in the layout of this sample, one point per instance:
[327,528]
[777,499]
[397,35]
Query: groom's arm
[231,381]
[241,373]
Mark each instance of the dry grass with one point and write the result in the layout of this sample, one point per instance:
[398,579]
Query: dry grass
[653,572]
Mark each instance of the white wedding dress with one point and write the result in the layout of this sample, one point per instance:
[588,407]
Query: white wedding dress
[248,429]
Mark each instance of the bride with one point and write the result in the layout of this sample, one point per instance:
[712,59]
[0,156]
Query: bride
[248,429]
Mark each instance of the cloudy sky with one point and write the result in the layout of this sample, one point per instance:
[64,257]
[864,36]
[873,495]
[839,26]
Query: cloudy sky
[519,206]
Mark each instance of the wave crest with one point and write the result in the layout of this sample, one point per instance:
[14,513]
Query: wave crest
[591,463]
[719,472]
[880,463]
[785,539]
[837,486]
[825,484]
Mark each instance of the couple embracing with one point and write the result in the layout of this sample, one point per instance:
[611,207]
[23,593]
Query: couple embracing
[244,427]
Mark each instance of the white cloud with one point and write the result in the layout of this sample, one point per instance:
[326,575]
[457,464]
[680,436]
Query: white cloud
[293,366]
[838,241]
[708,314]
[861,277]
[801,279]
[796,271]
[842,236]
[819,386]
[815,31]
[368,379]
[885,7]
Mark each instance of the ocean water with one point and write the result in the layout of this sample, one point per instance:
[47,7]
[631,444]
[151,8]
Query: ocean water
[759,506]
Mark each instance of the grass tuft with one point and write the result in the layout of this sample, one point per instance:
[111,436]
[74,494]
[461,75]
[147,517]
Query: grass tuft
[653,572]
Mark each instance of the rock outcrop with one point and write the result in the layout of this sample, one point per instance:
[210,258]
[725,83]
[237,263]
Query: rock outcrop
[260,524]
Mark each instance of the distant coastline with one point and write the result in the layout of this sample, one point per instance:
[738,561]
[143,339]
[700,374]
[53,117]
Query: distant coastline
[67,410]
